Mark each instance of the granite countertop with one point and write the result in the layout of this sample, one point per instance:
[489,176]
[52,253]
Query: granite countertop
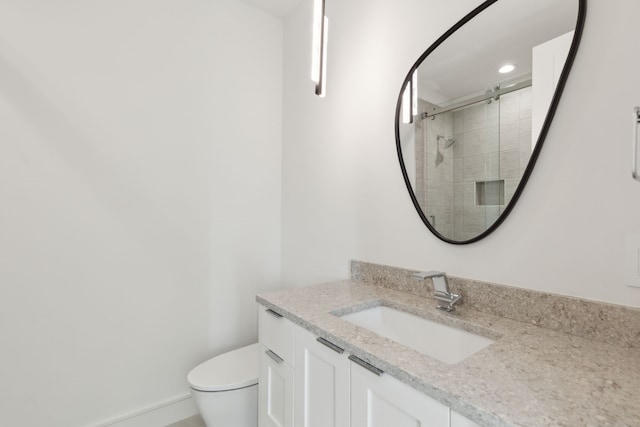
[530,376]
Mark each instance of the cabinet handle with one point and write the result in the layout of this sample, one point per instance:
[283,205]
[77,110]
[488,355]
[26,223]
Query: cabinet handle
[634,144]
[274,356]
[273,313]
[331,345]
[366,365]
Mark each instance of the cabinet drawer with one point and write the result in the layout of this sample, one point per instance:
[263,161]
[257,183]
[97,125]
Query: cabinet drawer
[276,333]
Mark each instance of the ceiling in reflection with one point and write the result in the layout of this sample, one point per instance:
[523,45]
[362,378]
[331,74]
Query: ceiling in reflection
[449,67]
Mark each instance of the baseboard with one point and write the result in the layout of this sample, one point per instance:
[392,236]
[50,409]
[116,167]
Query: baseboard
[158,415]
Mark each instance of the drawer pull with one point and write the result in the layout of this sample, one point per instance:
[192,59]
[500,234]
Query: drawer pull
[331,345]
[366,365]
[273,313]
[274,356]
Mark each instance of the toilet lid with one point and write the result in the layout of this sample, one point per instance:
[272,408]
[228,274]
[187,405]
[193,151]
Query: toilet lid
[229,371]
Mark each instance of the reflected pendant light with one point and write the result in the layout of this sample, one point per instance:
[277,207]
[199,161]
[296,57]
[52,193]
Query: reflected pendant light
[319,51]
[410,99]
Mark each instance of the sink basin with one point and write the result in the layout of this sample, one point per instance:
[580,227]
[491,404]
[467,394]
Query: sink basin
[442,342]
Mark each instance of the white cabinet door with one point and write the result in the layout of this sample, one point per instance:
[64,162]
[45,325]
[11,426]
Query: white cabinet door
[383,401]
[275,388]
[321,383]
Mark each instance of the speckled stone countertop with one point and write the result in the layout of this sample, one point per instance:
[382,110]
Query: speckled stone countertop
[530,376]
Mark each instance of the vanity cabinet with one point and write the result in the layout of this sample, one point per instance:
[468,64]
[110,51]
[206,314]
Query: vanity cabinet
[306,381]
[384,401]
[321,382]
[275,382]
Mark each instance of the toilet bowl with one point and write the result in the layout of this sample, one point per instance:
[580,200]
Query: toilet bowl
[225,388]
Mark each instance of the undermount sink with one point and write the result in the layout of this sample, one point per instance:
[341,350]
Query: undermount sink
[444,343]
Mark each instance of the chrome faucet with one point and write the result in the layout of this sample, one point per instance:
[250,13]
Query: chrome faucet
[442,294]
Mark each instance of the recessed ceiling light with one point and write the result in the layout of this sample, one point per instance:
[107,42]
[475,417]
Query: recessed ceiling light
[506,68]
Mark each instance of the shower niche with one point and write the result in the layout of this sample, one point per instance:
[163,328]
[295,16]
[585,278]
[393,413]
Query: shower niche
[475,108]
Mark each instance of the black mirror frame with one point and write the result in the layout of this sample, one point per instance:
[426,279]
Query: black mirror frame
[582,11]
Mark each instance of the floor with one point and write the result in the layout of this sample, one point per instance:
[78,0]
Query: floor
[195,421]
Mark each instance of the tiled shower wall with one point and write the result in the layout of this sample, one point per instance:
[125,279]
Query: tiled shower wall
[492,142]
[515,138]
[476,159]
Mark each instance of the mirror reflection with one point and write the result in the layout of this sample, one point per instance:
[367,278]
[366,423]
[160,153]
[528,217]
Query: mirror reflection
[473,110]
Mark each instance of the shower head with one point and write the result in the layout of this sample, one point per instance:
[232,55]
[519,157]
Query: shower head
[448,142]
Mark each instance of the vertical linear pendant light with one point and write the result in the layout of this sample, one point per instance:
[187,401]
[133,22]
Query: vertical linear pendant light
[319,59]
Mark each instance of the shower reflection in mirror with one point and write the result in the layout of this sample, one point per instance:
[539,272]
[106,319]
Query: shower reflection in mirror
[467,155]
[472,158]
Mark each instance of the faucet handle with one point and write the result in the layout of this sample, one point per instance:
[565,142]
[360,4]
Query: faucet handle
[429,274]
[442,294]
[446,301]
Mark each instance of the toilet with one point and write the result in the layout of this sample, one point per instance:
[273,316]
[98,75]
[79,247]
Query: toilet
[225,388]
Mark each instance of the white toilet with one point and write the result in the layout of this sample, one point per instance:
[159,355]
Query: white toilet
[225,388]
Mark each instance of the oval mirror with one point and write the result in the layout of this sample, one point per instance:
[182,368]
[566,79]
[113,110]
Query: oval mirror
[475,108]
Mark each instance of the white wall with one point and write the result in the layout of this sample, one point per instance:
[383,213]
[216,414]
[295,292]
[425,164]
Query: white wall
[343,193]
[139,198]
